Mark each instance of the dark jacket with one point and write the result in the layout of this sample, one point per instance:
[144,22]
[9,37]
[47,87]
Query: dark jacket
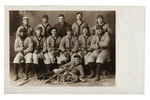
[61,29]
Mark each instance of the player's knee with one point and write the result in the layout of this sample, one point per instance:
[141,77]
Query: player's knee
[18,58]
[29,58]
[100,60]
[91,58]
[47,59]
[35,58]
[53,60]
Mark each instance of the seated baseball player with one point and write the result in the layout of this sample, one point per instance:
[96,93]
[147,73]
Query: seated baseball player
[100,51]
[23,47]
[84,45]
[68,45]
[53,42]
[39,48]
[73,66]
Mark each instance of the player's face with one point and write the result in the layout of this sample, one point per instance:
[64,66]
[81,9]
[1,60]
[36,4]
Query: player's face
[45,20]
[38,33]
[85,31]
[54,32]
[69,33]
[61,19]
[92,32]
[22,34]
[79,17]
[99,31]
[77,61]
[100,20]
[30,31]
[25,21]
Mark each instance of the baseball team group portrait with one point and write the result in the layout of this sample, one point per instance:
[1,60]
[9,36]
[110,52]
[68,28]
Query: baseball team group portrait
[62,48]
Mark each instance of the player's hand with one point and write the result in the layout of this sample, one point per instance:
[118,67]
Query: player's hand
[42,54]
[36,51]
[22,48]
[22,52]
[91,49]
[52,52]
[71,53]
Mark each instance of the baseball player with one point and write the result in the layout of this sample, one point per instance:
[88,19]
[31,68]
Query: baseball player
[68,45]
[23,47]
[79,24]
[100,45]
[53,42]
[46,27]
[39,48]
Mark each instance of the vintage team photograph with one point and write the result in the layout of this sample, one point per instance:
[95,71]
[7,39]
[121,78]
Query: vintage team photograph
[62,48]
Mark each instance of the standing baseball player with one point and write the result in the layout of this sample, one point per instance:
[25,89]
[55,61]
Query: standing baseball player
[62,25]
[79,24]
[102,23]
[46,27]
[25,25]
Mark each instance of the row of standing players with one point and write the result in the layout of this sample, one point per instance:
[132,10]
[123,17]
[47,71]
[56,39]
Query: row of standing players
[63,45]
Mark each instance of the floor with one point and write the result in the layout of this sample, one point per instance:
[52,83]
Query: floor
[106,80]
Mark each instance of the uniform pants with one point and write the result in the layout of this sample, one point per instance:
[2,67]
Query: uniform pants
[19,58]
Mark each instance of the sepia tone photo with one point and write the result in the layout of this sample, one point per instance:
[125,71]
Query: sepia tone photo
[62,48]
[74,49]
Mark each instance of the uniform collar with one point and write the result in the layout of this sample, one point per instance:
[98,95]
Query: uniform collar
[39,38]
[25,26]
[54,37]
[69,37]
[85,36]
[62,23]
[22,39]
[101,23]
[100,35]
[45,24]
[80,23]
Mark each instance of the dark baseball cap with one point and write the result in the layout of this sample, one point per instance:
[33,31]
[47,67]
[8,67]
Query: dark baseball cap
[45,16]
[99,16]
